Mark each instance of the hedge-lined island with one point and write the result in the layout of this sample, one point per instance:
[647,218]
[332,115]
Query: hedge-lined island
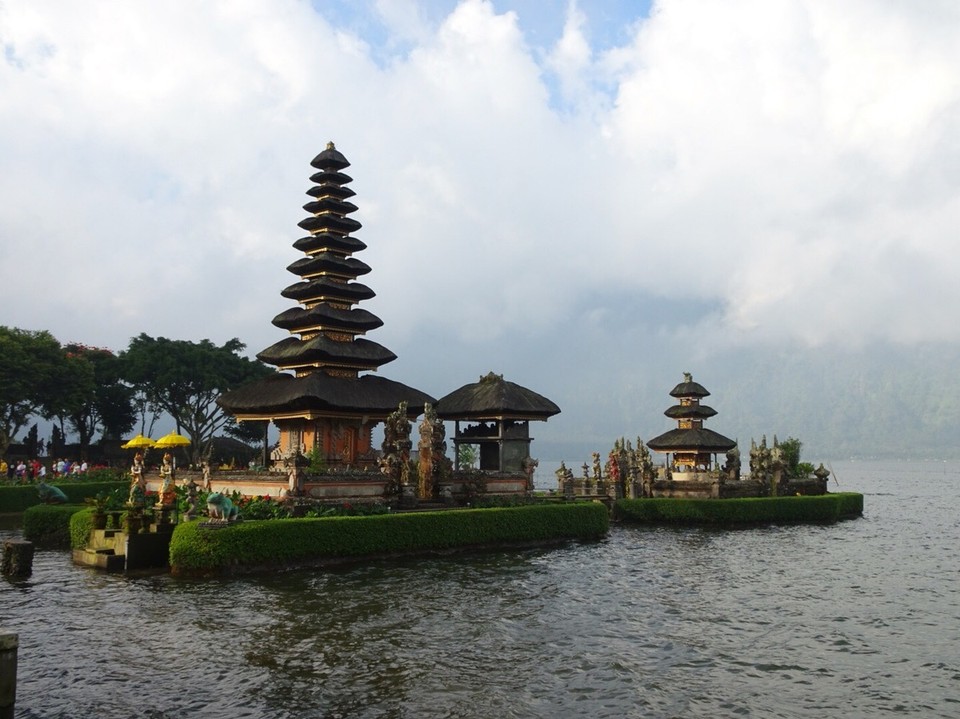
[324,494]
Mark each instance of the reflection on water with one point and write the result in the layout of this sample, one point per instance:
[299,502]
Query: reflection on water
[858,618]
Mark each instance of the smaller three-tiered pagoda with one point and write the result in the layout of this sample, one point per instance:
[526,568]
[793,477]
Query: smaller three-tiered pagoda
[692,445]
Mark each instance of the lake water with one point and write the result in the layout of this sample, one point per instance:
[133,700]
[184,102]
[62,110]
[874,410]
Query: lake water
[857,619]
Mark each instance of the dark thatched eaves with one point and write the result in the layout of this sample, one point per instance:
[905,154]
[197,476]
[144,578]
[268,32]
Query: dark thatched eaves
[494,398]
[329,262]
[330,204]
[329,241]
[691,440]
[330,178]
[690,411]
[689,389]
[330,159]
[330,223]
[325,316]
[328,190]
[293,352]
[370,395]
[326,288]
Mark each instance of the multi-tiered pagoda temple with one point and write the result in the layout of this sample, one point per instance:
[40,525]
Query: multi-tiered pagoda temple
[691,444]
[320,398]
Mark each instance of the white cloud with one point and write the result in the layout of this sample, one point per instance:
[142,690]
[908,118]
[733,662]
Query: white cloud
[792,166]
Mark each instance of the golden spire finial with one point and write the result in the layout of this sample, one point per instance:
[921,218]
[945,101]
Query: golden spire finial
[331,146]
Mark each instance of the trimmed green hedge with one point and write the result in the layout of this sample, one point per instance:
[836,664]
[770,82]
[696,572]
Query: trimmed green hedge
[19,497]
[81,524]
[747,510]
[272,543]
[50,525]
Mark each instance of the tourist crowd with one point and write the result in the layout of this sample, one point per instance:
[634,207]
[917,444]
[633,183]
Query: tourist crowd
[29,470]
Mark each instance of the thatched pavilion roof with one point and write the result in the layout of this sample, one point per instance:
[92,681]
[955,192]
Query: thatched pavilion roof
[691,440]
[319,392]
[493,397]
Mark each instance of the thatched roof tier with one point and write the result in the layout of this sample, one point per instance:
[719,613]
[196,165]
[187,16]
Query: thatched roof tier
[494,398]
[324,289]
[330,223]
[323,316]
[689,388]
[330,204]
[359,354]
[690,411]
[318,394]
[330,263]
[338,191]
[330,178]
[691,440]
[330,159]
[329,241]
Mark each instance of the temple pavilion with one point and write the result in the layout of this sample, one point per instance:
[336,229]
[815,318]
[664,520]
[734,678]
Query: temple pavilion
[692,445]
[496,416]
[322,397]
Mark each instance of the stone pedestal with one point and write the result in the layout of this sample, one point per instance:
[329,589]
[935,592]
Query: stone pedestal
[9,642]
[17,558]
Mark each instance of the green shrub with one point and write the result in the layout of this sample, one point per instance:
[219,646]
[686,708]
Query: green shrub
[255,544]
[18,498]
[747,510]
[81,524]
[48,525]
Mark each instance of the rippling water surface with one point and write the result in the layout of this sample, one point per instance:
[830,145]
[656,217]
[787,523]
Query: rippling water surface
[856,619]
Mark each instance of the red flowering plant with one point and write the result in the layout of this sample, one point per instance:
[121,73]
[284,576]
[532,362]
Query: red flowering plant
[262,507]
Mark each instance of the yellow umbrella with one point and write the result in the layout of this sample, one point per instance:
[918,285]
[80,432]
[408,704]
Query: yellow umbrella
[138,442]
[172,440]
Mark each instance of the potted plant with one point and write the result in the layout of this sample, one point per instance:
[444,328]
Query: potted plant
[99,504]
[134,519]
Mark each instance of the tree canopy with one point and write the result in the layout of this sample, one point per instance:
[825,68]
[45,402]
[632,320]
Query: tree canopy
[32,364]
[184,379]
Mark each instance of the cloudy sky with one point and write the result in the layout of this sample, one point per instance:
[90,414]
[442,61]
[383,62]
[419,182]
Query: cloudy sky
[543,184]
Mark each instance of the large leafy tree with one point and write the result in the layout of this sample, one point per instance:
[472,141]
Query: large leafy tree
[30,365]
[75,387]
[185,378]
[98,400]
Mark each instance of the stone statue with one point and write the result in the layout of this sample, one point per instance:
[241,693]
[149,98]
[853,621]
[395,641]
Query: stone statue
[395,463]
[168,492]
[294,476]
[613,468]
[138,484]
[221,508]
[136,470]
[50,494]
[192,500]
[732,466]
[206,476]
[529,466]
[596,466]
[434,464]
